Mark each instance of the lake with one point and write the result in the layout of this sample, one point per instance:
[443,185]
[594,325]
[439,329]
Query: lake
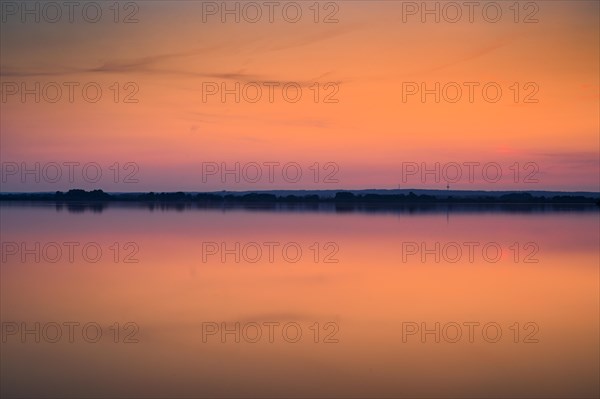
[436,302]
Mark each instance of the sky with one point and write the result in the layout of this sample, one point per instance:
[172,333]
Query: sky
[179,95]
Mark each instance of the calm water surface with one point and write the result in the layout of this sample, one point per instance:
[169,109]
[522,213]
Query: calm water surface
[131,302]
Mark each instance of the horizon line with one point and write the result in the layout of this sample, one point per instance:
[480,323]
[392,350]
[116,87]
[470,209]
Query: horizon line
[306,189]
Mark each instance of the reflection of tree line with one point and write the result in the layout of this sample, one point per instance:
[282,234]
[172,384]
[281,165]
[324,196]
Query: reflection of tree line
[344,197]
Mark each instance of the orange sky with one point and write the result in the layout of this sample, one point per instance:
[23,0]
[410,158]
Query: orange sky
[370,54]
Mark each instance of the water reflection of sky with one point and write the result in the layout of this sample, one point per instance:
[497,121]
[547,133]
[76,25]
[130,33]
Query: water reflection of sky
[369,293]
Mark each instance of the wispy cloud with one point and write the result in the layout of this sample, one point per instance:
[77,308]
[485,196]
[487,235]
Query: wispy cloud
[573,159]
[142,65]
[471,55]
[203,117]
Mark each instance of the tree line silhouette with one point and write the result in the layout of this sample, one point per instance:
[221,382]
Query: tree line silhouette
[342,197]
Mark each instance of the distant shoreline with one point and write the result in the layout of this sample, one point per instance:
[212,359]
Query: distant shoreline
[359,197]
